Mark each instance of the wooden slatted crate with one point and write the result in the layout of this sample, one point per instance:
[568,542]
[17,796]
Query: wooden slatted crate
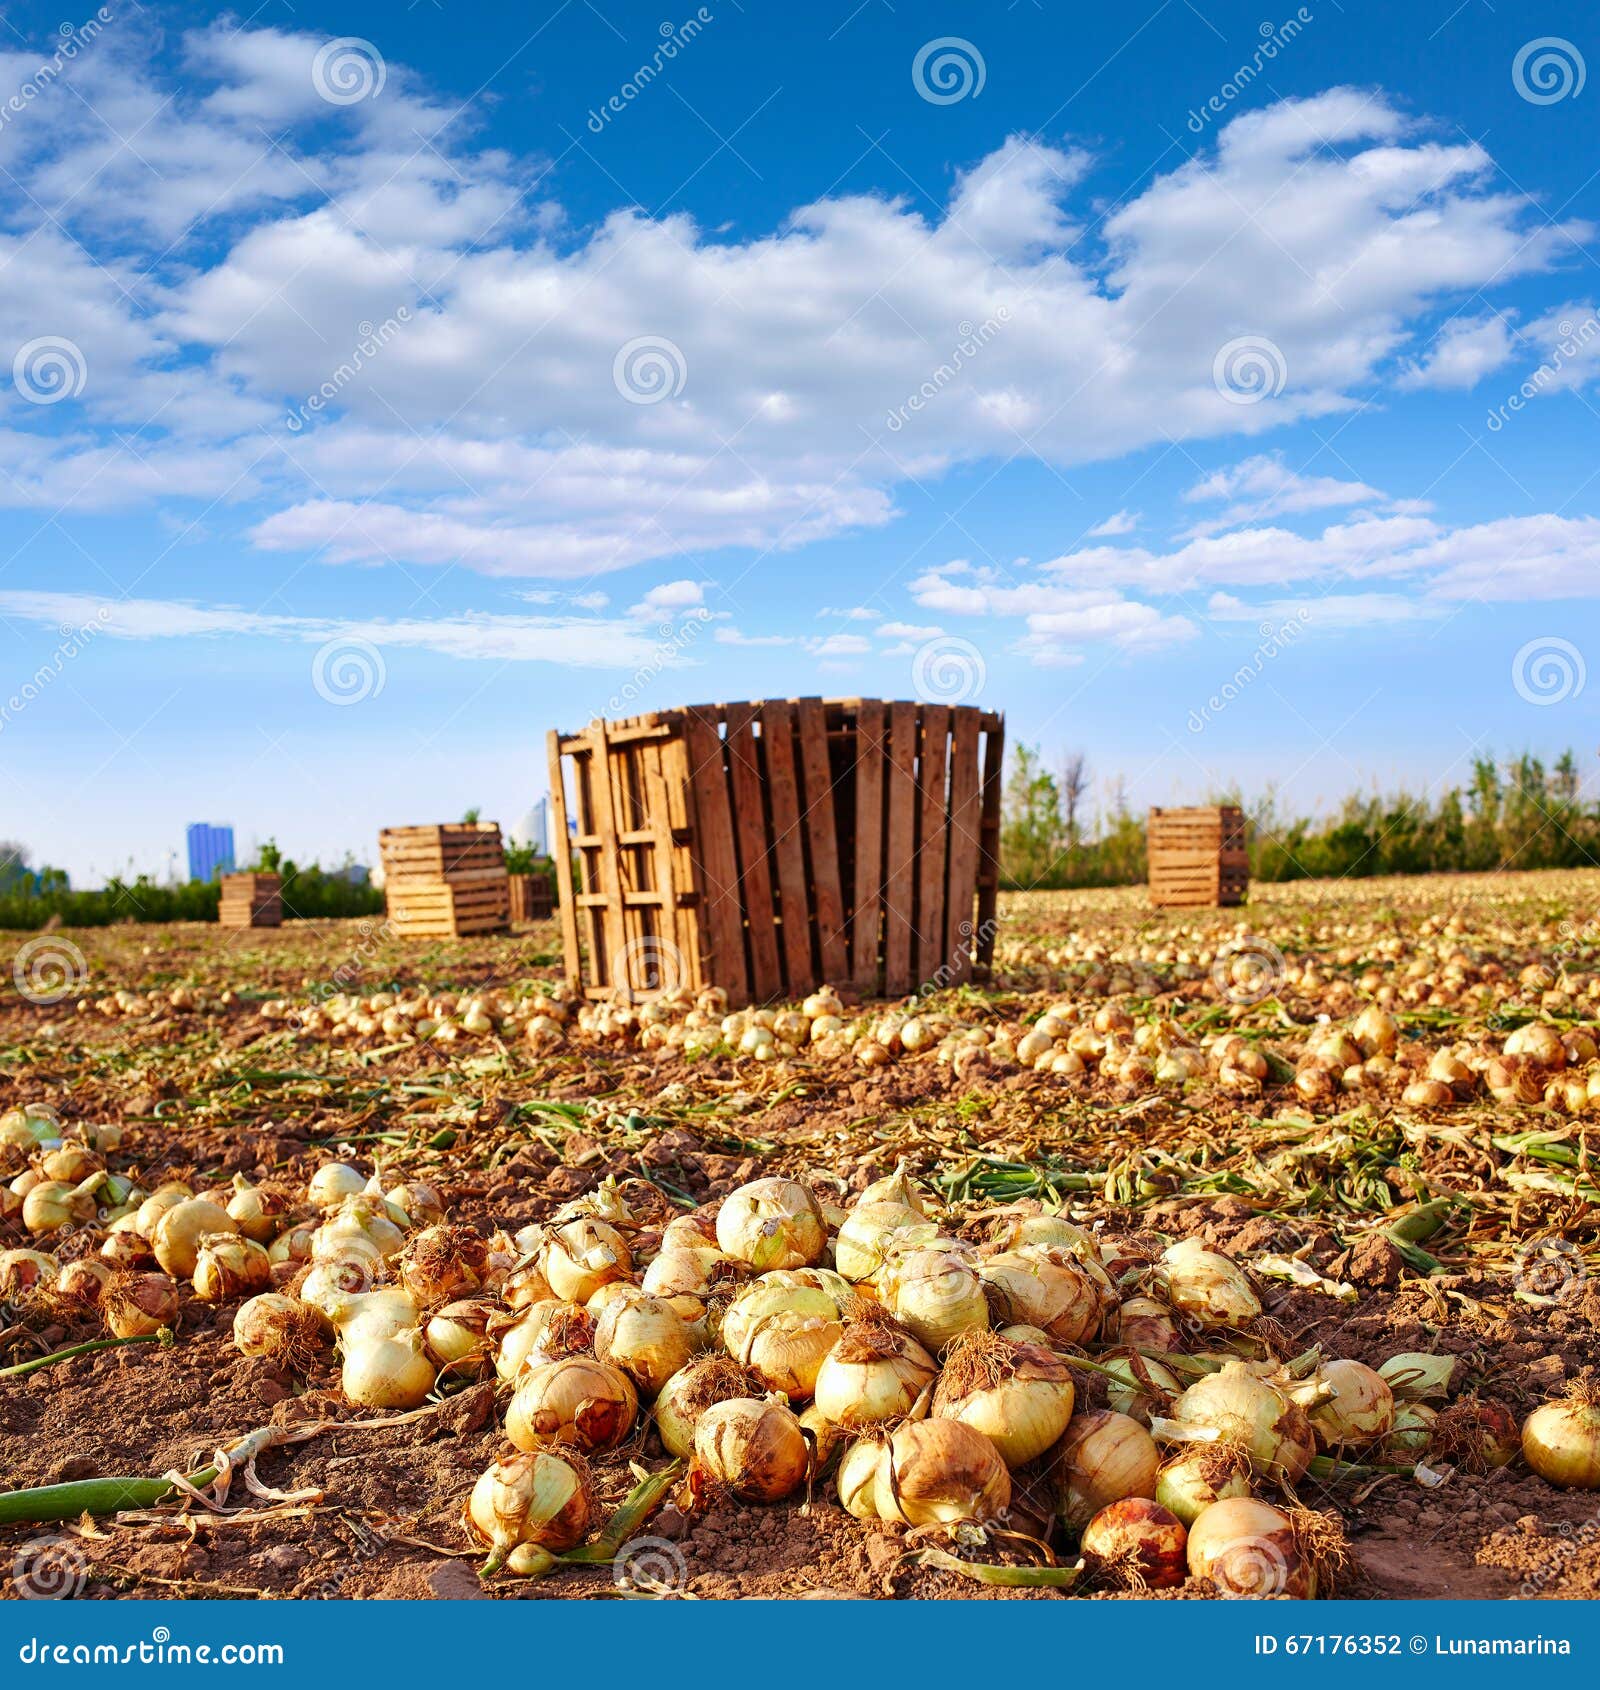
[445,881]
[251,900]
[1197,857]
[769,847]
[532,897]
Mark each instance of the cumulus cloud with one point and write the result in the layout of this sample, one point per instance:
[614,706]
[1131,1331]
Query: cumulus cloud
[232,282]
[1465,350]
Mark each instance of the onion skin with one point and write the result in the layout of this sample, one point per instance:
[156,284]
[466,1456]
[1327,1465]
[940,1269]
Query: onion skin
[576,1401]
[1184,1488]
[1102,1457]
[1023,1414]
[537,1498]
[644,1337]
[1138,1537]
[1244,1409]
[178,1234]
[756,1449]
[1362,1410]
[936,1472]
[1247,1548]
[873,1373]
[1561,1443]
[772,1223]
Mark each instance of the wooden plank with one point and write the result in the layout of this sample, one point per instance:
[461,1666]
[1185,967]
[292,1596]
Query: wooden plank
[716,865]
[691,900]
[604,822]
[658,824]
[788,846]
[933,842]
[867,906]
[900,866]
[570,952]
[989,845]
[966,841]
[827,896]
[755,871]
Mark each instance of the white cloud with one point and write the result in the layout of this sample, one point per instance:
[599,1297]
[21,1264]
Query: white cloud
[906,631]
[857,613]
[1123,522]
[668,597]
[1264,486]
[1330,611]
[1465,351]
[574,642]
[732,636]
[840,645]
[218,277]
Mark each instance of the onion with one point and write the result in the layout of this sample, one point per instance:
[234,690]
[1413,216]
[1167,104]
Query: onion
[756,1449]
[1145,1324]
[935,1294]
[1101,1458]
[874,1372]
[774,1294]
[71,1163]
[546,1332]
[1235,1405]
[1018,1395]
[1201,1475]
[418,1202]
[787,1349]
[332,1183]
[228,1266]
[293,1244]
[179,1231]
[685,1272]
[1012,1231]
[1138,1543]
[164,1197]
[1416,1377]
[52,1204]
[1411,1435]
[257,1210]
[388,1372]
[936,1472]
[690,1392]
[1048,1287]
[894,1188]
[125,1248]
[136,1305]
[22,1271]
[870,1231]
[331,1286]
[1139,1385]
[857,1479]
[581,1256]
[576,1400]
[457,1338]
[273,1324]
[385,1313]
[1561,1439]
[1360,1412]
[84,1281]
[1208,1285]
[646,1339]
[1477,1434]
[771,1223]
[535,1498]
[1247,1548]
[443,1264]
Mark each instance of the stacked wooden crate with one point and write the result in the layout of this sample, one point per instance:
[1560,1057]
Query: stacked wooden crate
[251,900]
[445,881]
[532,897]
[770,847]
[1197,856]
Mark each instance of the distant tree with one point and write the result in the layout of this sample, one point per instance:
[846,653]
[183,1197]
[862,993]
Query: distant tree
[269,859]
[1031,826]
[470,818]
[1074,783]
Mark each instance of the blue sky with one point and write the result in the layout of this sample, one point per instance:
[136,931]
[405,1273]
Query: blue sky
[381,386]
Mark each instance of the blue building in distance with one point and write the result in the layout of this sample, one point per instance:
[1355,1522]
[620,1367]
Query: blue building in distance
[210,851]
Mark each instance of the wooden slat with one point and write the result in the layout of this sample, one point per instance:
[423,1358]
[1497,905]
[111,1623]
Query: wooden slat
[755,869]
[691,899]
[900,868]
[866,913]
[827,896]
[716,865]
[933,837]
[966,841]
[989,845]
[571,958]
[663,875]
[788,847]
[604,822]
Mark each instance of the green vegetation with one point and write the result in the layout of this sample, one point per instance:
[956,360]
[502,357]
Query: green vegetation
[1513,815]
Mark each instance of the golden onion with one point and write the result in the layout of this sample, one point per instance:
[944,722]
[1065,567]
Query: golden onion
[588,1404]
[771,1223]
[755,1449]
[1020,1396]
[938,1472]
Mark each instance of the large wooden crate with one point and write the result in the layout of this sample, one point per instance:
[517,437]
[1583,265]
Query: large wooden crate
[1197,856]
[251,900]
[769,847]
[532,897]
[446,881]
